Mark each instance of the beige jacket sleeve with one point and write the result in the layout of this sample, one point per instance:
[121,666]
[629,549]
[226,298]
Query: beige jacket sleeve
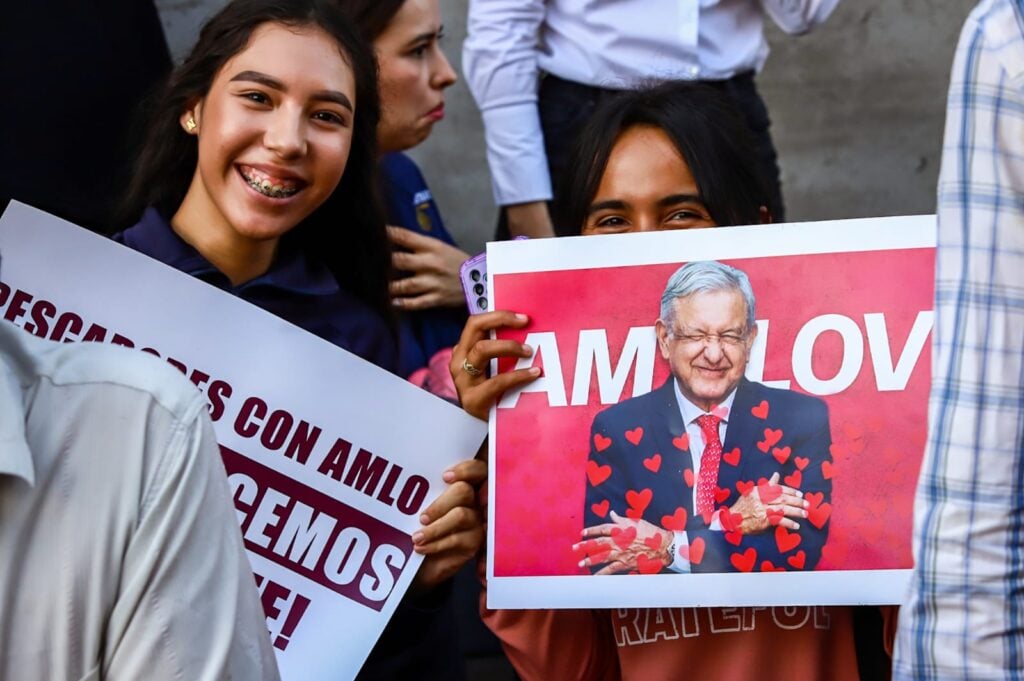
[188,606]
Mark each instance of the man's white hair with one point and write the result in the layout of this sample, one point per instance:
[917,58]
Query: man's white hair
[705,276]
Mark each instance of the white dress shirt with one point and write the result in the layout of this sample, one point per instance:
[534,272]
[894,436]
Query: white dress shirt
[120,553]
[607,43]
[690,413]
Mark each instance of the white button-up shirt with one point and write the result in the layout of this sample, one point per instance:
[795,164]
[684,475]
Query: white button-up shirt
[606,43]
[120,554]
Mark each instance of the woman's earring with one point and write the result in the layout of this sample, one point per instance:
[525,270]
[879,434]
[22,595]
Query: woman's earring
[190,124]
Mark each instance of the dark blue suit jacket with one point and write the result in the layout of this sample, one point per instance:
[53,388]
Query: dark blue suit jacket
[617,471]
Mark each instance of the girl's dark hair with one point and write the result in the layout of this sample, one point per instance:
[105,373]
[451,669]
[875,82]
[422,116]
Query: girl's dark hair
[347,231]
[372,16]
[705,127]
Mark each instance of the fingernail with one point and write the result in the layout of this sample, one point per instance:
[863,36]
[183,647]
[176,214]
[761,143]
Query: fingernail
[535,371]
[521,317]
[527,349]
[800,494]
[417,537]
[581,564]
[424,519]
[804,513]
[448,476]
[797,526]
[806,503]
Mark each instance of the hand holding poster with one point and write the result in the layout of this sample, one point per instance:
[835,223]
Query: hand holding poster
[752,442]
[327,488]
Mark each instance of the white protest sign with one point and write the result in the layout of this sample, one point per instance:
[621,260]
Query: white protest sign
[826,393]
[330,458]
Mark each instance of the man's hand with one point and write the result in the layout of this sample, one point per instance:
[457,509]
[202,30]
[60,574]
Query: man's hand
[624,545]
[453,530]
[768,505]
[529,219]
[434,265]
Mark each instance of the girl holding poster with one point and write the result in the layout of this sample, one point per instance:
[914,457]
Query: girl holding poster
[258,176]
[672,157]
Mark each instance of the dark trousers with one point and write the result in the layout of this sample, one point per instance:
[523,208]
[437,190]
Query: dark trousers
[566,106]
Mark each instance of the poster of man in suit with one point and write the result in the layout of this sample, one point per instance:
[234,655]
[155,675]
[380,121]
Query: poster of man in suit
[709,464]
[725,417]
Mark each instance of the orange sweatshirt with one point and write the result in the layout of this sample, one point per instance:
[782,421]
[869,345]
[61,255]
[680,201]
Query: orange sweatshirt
[705,644]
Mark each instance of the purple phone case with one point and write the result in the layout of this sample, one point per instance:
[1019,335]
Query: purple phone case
[473,274]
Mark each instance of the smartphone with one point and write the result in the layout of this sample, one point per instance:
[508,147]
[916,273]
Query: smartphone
[473,274]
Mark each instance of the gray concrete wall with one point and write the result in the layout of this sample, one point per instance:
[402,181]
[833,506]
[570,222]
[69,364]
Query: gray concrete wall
[857,109]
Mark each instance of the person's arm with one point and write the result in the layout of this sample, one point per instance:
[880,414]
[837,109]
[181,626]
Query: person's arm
[434,269]
[499,60]
[798,16]
[789,549]
[187,607]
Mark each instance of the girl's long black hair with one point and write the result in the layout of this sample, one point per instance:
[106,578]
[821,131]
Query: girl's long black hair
[705,127]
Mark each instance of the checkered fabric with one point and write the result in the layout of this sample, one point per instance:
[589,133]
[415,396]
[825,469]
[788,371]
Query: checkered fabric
[964,618]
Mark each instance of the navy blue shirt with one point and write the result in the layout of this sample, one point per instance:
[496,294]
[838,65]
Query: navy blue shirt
[295,288]
[410,205]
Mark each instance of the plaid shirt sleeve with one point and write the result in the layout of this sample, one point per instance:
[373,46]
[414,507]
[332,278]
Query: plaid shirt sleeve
[964,618]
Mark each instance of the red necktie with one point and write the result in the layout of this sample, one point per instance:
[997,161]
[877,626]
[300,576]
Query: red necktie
[707,481]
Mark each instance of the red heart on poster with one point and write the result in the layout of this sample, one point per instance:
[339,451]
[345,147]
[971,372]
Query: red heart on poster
[639,500]
[681,442]
[801,462]
[688,477]
[653,463]
[775,516]
[798,560]
[653,542]
[793,480]
[814,498]
[766,566]
[600,509]
[597,473]
[635,435]
[733,538]
[730,521]
[826,470]
[818,515]
[647,566]
[675,522]
[771,438]
[744,562]
[768,492]
[694,552]
[601,442]
[761,410]
[623,537]
[785,540]
[732,458]
[781,454]
[852,431]
[745,487]
[721,494]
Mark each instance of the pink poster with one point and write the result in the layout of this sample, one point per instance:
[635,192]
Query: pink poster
[716,460]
